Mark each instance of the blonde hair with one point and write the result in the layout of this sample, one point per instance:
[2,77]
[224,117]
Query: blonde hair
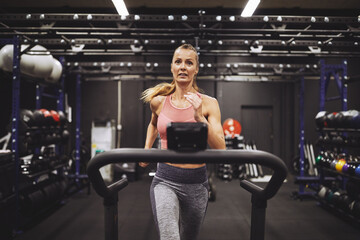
[165,89]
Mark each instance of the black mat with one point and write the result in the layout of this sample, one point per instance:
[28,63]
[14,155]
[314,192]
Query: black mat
[227,218]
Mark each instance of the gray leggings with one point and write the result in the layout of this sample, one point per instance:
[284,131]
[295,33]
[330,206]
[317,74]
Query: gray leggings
[179,200]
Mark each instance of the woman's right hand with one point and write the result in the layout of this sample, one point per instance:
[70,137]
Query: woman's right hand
[143,164]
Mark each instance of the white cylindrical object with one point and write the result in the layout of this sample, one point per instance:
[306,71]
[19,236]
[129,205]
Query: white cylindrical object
[37,62]
[43,61]
[56,72]
[6,63]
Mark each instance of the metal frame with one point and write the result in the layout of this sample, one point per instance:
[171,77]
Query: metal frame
[328,70]
[99,34]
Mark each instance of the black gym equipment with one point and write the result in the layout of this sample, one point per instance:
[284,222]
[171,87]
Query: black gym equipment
[259,195]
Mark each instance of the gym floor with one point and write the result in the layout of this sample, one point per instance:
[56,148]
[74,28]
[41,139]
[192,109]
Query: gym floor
[228,218]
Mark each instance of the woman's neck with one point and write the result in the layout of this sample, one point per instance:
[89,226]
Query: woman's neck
[181,90]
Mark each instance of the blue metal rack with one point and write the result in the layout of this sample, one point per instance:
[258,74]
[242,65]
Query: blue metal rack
[15,123]
[78,175]
[339,73]
[16,84]
[78,124]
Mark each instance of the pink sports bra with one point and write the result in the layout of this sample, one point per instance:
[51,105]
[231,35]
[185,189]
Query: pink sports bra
[170,113]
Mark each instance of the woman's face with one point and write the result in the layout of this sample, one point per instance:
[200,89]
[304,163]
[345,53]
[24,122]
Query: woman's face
[184,66]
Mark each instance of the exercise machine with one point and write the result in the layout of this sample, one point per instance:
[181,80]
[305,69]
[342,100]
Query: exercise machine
[259,195]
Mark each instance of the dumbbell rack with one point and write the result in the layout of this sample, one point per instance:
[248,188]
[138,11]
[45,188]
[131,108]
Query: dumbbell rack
[342,177]
[327,70]
[15,120]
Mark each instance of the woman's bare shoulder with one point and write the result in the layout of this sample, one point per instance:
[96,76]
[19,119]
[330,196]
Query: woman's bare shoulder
[156,103]
[209,100]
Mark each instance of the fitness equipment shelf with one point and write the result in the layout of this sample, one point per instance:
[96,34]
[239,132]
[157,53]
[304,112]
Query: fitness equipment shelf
[329,170]
[338,130]
[259,195]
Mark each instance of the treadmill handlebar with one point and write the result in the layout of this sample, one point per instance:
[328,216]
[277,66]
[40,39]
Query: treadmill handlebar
[208,156]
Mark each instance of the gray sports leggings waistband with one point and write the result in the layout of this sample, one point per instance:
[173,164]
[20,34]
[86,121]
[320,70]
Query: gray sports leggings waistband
[181,175]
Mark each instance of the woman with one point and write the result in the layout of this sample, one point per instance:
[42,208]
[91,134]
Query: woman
[179,192]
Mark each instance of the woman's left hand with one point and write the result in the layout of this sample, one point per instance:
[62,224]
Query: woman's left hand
[196,101]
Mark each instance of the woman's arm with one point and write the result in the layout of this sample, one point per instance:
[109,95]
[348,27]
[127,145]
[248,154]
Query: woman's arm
[211,108]
[216,138]
[152,131]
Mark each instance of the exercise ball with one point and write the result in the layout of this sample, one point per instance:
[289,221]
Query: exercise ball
[231,127]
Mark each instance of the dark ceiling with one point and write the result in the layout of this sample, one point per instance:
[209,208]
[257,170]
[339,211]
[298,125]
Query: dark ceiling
[335,7]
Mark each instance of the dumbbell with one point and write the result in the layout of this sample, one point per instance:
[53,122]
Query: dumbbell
[355,211]
[320,119]
[55,118]
[27,117]
[322,192]
[344,202]
[330,120]
[62,118]
[65,135]
[42,117]
[339,120]
[357,171]
[339,164]
[351,119]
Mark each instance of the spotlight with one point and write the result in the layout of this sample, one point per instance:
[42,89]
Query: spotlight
[120,7]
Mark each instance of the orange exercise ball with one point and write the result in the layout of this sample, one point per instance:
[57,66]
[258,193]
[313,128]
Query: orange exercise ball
[231,127]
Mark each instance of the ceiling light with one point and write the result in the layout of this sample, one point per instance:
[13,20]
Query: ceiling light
[250,8]
[120,7]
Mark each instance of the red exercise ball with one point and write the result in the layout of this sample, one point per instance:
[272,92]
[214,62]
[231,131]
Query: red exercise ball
[231,127]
